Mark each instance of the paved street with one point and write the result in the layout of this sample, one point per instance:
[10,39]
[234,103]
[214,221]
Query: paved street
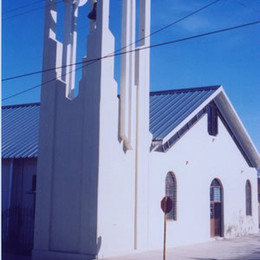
[245,248]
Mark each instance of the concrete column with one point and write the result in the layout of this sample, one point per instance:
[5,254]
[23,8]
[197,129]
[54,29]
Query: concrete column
[143,136]
[127,78]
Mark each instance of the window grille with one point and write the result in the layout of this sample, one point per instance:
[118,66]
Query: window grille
[171,191]
[215,191]
[248,199]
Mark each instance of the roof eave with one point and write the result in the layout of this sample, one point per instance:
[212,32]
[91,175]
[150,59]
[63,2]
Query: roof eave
[239,131]
[228,112]
[194,113]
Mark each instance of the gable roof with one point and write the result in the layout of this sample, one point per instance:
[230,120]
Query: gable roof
[239,133]
[170,111]
[169,108]
[182,111]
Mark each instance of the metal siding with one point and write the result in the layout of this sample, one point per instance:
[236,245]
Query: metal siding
[169,108]
[20,126]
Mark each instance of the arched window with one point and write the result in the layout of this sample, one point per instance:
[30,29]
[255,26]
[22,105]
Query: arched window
[248,199]
[171,191]
[216,208]
[215,191]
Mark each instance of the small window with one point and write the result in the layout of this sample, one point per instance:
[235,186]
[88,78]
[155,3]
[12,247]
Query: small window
[171,191]
[248,199]
[212,119]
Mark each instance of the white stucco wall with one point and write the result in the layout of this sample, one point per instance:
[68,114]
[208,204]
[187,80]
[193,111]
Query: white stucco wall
[196,159]
[85,198]
[258,199]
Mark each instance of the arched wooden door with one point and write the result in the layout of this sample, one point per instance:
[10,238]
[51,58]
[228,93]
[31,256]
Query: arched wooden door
[216,208]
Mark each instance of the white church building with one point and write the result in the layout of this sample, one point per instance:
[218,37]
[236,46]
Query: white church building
[106,161]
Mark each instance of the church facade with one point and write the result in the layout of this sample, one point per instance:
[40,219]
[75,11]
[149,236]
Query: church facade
[105,162]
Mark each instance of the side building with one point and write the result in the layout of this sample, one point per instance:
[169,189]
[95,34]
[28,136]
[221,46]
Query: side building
[20,126]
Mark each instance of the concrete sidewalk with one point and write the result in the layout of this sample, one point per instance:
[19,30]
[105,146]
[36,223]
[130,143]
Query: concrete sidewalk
[243,248]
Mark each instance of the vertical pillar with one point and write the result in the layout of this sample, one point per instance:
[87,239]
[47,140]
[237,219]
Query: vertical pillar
[70,44]
[127,80]
[143,137]
[51,52]
[69,47]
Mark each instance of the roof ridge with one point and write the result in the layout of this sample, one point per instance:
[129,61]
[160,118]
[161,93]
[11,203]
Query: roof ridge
[21,105]
[169,91]
[172,91]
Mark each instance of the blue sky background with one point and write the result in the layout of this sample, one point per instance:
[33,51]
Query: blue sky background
[231,59]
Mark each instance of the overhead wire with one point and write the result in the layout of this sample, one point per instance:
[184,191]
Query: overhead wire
[28,11]
[177,21]
[118,50]
[22,6]
[149,47]
[247,6]
[49,81]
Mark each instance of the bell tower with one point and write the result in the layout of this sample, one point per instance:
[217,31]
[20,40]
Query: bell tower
[93,148]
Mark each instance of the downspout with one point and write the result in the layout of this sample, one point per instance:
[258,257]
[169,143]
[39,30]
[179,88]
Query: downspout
[136,175]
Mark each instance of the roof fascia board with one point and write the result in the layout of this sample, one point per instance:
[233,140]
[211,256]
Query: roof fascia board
[237,127]
[194,113]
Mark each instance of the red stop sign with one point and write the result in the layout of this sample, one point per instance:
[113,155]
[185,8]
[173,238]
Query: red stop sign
[166,204]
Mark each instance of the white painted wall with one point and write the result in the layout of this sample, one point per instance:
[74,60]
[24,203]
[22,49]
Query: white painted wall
[85,199]
[259,196]
[196,159]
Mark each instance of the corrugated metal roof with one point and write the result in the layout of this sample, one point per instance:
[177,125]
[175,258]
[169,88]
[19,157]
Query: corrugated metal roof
[169,108]
[20,127]
[20,123]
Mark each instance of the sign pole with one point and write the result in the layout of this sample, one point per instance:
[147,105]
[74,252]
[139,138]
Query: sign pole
[166,206]
[164,240]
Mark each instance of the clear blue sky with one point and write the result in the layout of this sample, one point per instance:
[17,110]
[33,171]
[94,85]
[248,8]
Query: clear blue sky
[231,59]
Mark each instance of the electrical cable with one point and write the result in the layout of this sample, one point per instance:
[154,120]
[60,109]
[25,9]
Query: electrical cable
[153,33]
[148,47]
[29,11]
[247,6]
[22,7]
[177,21]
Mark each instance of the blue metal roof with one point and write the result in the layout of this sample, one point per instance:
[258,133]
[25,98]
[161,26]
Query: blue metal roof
[169,108]
[20,126]
[20,123]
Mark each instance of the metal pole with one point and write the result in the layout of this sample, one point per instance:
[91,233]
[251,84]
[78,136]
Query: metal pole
[164,240]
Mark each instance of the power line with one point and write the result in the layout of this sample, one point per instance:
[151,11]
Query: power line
[22,7]
[179,20]
[47,82]
[153,33]
[247,6]
[149,47]
[29,11]
[26,12]
[203,34]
